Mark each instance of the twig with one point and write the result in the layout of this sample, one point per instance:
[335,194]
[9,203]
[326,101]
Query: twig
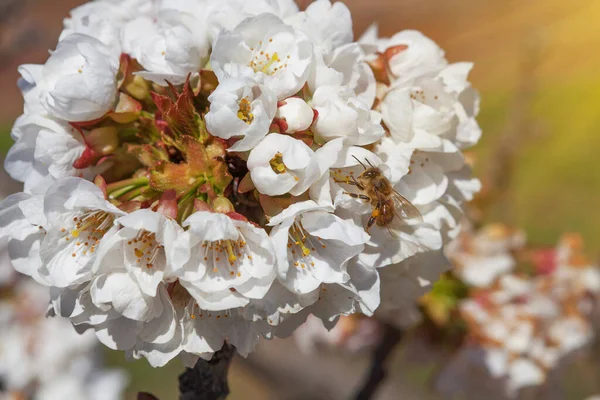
[208,379]
[391,337]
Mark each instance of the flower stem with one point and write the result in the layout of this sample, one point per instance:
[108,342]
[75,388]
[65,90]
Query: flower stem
[135,182]
[192,192]
[132,194]
[118,189]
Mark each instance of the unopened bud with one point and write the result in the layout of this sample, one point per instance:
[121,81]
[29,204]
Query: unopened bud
[379,68]
[298,115]
[393,51]
[137,87]
[222,205]
[104,140]
[127,109]
[167,205]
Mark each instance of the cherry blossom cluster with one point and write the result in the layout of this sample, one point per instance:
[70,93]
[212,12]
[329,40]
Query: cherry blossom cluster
[44,358]
[522,323]
[205,171]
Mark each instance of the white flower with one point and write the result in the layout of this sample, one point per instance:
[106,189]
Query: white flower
[421,55]
[408,53]
[240,108]
[44,149]
[338,61]
[404,283]
[204,332]
[98,19]
[20,162]
[123,317]
[142,242]
[228,15]
[169,46]
[279,305]
[137,314]
[359,295]
[313,246]
[296,115]
[344,66]
[342,114]
[328,25]
[418,109]
[466,108]
[427,180]
[162,327]
[264,47]
[429,124]
[230,261]
[79,79]
[29,84]
[281,164]
[132,7]
[77,218]
[386,248]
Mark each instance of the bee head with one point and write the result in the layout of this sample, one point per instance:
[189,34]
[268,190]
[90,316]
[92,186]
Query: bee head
[370,173]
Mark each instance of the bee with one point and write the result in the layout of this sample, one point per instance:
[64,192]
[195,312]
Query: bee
[389,208]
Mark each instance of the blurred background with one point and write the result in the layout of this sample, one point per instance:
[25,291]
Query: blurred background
[537,68]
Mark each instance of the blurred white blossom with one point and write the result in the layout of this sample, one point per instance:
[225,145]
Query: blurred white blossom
[520,328]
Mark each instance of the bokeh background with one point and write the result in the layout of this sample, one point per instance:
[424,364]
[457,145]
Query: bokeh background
[537,66]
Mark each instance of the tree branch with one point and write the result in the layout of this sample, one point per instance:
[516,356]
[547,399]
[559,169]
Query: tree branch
[391,337]
[208,379]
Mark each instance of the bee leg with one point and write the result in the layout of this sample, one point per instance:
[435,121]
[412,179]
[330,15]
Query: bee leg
[358,196]
[373,218]
[349,182]
[370,224]
[355,183]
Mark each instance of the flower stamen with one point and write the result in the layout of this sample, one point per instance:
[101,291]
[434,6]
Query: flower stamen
[245,111]
[146,248]
[277,164]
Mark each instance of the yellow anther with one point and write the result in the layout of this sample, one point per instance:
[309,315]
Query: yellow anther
[232,257]
[277,164]
[305,250]
[245,111]
[272,60]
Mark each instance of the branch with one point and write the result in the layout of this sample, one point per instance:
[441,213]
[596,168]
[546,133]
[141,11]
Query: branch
[391,337]
[208,379]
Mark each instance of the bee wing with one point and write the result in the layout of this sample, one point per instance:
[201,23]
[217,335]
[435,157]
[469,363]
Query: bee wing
[404,208]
